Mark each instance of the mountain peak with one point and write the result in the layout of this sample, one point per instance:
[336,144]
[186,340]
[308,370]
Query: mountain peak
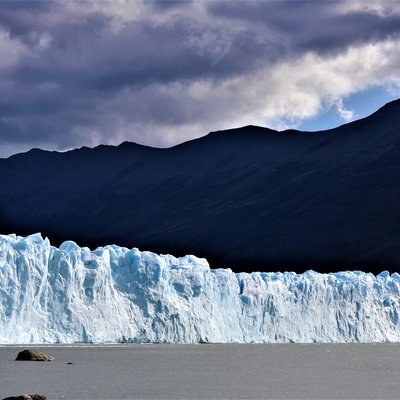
[391,106]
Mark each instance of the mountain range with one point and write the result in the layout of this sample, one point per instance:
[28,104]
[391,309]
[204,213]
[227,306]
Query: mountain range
[249,198]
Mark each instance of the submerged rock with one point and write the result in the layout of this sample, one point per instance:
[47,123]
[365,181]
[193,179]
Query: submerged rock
[33,355]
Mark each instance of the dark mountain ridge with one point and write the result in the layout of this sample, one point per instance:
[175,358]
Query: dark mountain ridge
[248,198]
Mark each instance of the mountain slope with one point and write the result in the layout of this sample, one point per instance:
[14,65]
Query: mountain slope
[248,198]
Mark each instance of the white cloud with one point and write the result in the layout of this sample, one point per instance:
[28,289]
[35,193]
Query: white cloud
[278,96]
[296,90]
[346,115]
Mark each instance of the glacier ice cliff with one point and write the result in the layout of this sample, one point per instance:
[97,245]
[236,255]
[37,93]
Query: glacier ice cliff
[113,294]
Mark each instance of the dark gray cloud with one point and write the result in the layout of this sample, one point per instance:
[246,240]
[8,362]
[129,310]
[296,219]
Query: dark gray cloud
[312,25]
[161,72]
[170,4]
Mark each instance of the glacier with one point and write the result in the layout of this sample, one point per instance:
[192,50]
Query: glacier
[117,295]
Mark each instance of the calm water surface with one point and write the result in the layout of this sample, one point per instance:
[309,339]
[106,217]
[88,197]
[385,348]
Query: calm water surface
[220,371]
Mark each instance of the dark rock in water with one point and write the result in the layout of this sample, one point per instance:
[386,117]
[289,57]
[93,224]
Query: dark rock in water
[69,363]
[33,355]
[27,397]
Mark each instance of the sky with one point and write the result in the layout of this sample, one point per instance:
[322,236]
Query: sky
[84,73]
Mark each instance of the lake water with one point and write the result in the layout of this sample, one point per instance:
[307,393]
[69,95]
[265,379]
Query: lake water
[220,371]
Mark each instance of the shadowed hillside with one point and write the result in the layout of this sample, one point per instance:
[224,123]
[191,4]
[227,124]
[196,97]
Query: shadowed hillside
[248,198]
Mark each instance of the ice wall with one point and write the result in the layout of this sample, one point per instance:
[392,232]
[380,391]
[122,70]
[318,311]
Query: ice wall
[113,294]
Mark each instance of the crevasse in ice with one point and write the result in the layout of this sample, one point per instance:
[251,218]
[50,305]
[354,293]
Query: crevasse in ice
[113,294]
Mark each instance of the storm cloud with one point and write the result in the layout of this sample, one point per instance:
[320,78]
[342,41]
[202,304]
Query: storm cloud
[159,73]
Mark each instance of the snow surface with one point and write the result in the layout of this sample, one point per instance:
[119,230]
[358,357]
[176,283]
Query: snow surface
[113,294]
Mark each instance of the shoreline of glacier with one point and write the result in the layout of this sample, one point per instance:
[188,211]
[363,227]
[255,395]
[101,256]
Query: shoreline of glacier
[118,295]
